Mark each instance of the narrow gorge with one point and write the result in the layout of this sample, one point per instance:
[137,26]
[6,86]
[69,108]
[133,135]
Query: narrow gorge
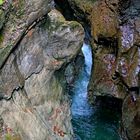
[69,70]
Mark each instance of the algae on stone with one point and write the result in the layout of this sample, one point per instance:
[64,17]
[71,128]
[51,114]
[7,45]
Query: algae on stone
[1,2]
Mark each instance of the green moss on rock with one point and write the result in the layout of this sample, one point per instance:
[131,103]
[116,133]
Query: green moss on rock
[56,21]
[11,137]
[1,2]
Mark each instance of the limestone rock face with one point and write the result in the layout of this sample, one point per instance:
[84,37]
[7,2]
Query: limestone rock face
[101,14]
[21,15]
[118,52]
[73,69]
[81,6]
[33,80]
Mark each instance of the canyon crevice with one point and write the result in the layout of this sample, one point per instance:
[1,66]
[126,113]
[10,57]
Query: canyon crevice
[37,49]
[115,27]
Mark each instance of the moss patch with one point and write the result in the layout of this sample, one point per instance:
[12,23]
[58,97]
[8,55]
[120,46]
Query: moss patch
[11,137]
[1,2]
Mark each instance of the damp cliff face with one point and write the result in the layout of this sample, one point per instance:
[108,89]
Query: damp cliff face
[114,30]
[115,37]
[35,47]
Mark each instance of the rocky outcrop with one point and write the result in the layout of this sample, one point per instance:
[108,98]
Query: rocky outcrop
[115,33]
[103,18]
[21,16]
[115,40]
[34,103]
[37,51]
[2,18]
[131,119]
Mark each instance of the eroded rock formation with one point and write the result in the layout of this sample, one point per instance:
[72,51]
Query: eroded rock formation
[35,48]
[115,30]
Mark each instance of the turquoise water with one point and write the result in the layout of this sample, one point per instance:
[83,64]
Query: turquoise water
[91,123]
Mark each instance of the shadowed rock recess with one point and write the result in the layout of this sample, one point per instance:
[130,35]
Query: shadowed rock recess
[38,47]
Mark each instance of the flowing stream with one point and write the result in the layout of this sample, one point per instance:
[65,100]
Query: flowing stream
[91,123]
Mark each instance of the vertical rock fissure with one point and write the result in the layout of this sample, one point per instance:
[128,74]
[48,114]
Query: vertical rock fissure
[109,102]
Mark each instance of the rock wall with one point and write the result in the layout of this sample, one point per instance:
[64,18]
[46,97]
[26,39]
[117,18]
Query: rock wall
[35,48]
[37,45]
[115,30]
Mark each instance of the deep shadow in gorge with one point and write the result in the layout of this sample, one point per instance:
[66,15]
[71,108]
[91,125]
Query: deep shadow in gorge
[101,120]
[98,122]
[64,7]
[110,103]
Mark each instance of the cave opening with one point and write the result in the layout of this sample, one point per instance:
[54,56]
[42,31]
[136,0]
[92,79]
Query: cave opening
[90,122]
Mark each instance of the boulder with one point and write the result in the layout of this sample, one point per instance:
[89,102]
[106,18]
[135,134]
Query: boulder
[34,102]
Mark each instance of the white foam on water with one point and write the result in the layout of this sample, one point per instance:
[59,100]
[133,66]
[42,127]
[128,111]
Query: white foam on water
[86,49]
[80,105]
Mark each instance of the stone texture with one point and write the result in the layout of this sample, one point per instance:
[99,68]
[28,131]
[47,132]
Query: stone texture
[104,21]
[73,69]
[131,119]
[23,15]
[85,6]
[115,39]
[33,76]
[35,50]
